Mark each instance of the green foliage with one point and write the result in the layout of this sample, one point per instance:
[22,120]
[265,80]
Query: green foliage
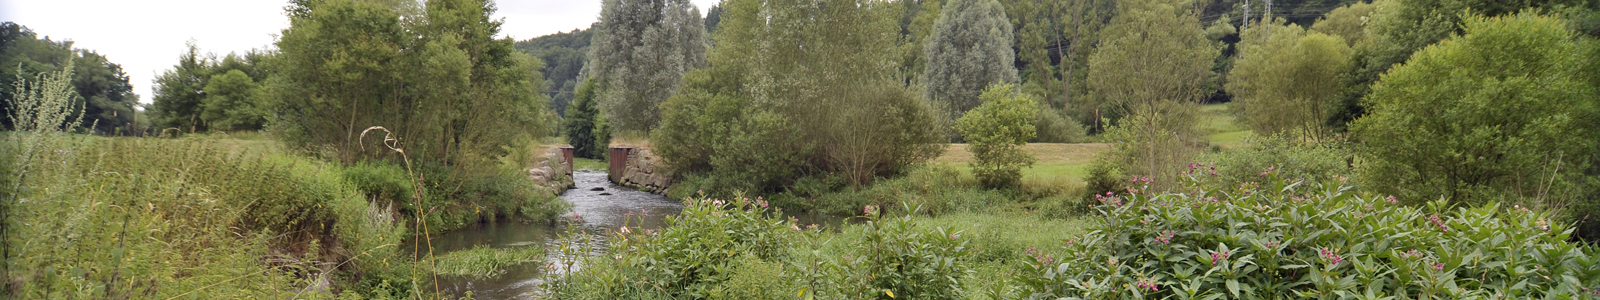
[564,54]
[233,101]
[732,249]
[1286,79]
[969,50]
[381,182]
[485,262]
[641,51]
[1292,159]
[440,80]
[995,130]
[1105,176]
[1151,31]
[1397,31]
[1055,126]
[1504,112]
[104,94]
[237,102]
[788,95]
[687,259]
[584,125]
[116,218]
[1279,239]
[1350,21]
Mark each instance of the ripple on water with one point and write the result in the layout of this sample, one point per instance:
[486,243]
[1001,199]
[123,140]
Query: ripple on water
[599,214]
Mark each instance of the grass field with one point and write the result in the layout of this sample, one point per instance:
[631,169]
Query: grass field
[1220,127]
[1055,161]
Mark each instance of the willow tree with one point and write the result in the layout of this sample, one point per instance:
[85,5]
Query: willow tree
[640,51]
[1153,64]
[970,49]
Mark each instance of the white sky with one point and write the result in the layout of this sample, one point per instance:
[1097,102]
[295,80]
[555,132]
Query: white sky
[146,36]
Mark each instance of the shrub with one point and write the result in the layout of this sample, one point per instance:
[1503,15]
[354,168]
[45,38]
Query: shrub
[1054,126]
[996,129]
[694,252]
[1310,161]
[1505,112]
[1301,239]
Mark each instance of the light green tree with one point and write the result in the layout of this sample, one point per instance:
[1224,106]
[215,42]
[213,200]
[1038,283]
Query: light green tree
[639,53]
[1154,62]
[1287,79]
[1350,21]
[995,131]
[1504,112]
[970,49]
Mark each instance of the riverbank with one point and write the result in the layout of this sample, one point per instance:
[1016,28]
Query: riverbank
[225,217]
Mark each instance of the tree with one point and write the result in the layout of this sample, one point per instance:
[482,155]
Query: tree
[583,124]
[233,101]
[1287,81]
[791,91]
[641,50]
[1350,21]
[564,55]
[1154,63]
[105,96]
[1394,33]
[995,130]
[970,49]
[439,80]
[1504,112]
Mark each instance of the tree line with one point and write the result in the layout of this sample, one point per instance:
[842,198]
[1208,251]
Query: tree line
[101,88]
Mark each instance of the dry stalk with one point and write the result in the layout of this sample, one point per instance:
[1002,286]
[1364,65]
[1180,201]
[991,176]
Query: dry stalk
[389,141]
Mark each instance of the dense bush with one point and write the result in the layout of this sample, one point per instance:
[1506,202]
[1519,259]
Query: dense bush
[1505,112]
[1280,239]
[996,129]
[791,92]
[1292,158]
[114,218]
[718,249]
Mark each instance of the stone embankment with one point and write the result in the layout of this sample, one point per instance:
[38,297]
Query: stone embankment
[552,172]
[646,172]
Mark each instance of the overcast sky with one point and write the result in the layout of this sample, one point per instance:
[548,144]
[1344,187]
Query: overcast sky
[146,36]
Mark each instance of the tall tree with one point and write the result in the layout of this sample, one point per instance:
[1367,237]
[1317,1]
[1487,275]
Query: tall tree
[641,50]
[439,80]
[798,87]
[1154,63]
[1287,81]
[103,92]
[969,50]
[583,124]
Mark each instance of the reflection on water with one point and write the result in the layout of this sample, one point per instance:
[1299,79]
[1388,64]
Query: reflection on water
[601,206]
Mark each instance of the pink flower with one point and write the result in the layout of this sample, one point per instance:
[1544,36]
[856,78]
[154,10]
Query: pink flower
[624,230]
[1438,267]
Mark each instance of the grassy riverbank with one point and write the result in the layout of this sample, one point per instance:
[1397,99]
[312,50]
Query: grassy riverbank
[225,217]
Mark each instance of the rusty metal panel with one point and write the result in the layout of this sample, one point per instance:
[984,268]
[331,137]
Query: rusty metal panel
[618,160]
[566,152]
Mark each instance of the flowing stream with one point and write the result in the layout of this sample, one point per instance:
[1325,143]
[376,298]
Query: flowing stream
[601,206]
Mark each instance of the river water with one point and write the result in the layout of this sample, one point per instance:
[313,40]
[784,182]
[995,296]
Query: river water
[601,207]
